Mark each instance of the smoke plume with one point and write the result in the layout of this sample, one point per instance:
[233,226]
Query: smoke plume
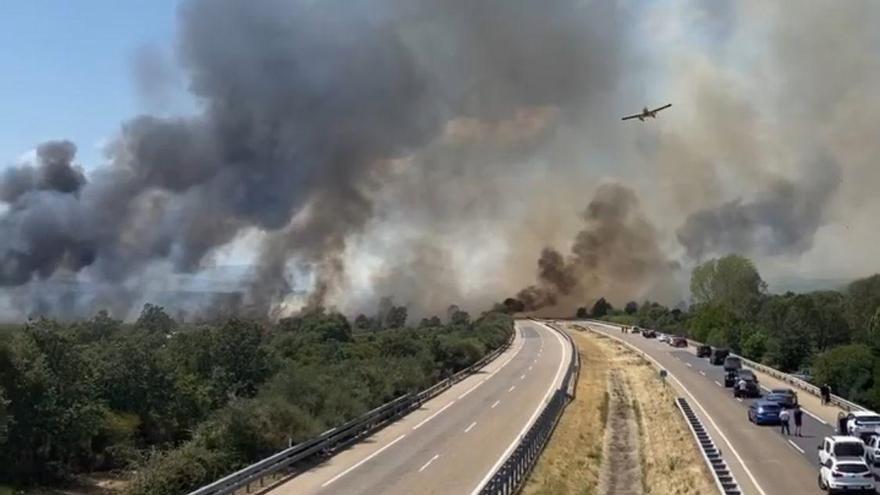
[616,254]
[431,150]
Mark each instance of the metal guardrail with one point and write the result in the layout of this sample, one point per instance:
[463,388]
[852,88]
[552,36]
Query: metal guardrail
[510,477]
[724,479]
[331,440]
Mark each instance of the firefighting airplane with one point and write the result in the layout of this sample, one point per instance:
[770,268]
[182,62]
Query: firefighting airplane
[647,113]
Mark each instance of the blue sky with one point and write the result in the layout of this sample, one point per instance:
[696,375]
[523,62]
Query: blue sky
[66,69]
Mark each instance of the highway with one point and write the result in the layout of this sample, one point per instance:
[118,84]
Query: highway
[762,459]
[455,441]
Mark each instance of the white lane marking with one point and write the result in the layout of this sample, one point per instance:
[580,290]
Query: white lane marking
[817,418]
[363,461]
[702,372]
[511,388]
[530,368]
[739,399]
[469,427]
[538,409]
[796,446]
[719,384]
[495,404]
[689,365]
[429,463]
[462,396]
[522,377]
[429,418]
[711,421]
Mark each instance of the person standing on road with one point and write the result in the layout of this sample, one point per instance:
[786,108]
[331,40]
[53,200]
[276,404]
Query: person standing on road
[798,420]
[783,422]
[825,391]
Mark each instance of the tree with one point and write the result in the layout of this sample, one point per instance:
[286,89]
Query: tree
[849,369]
[862,301]
[832,328]
[433,321]
[396,317]
[601,308]
[731,281]
[581,312]
[631,308]
[459,317]
[154,319]
[362,322]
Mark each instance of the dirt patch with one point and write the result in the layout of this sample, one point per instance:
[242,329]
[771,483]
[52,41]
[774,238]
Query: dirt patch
[670,459]
[621,472]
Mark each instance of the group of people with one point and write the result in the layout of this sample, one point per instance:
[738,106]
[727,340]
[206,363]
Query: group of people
[784,416]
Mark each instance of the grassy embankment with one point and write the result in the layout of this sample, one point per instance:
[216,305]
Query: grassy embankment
[671,463]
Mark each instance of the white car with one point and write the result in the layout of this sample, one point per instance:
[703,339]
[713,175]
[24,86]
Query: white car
[872,451]
[862,424]
[846,475]
[841,448]
[663,338]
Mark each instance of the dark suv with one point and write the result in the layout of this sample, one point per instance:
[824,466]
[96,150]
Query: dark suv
[746,384]
[704,351]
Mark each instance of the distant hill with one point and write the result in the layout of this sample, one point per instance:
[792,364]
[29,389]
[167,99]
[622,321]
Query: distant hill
[796,284]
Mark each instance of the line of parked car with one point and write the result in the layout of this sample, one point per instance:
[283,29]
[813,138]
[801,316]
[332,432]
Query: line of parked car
[673,340]
[845,460]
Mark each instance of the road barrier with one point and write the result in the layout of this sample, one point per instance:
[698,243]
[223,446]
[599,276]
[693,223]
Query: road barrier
[334,439]
[510,477]
[724,479]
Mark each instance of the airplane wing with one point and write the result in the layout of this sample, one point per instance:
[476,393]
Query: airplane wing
[664,107]
[632,116]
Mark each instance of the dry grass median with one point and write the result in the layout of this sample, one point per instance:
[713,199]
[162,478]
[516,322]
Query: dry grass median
[670,461]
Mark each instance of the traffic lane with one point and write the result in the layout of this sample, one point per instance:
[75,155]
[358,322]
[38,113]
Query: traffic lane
[776,467]
[453,451]
[310,481]
[813,430]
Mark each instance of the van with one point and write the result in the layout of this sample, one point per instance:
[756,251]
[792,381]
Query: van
[718,355]
[732,363]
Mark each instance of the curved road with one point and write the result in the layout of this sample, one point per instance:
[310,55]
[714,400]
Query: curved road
[762,459]
[456,440]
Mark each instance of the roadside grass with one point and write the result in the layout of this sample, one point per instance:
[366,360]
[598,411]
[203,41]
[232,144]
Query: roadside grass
[671,461]
[570,462]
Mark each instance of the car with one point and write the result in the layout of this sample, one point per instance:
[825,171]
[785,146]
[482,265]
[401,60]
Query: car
[663,338]
[729,378]
[704,351]
[862,424]
[678,342]
[872,451]
[718,355]
[786,397]
[746,384]
[841,447]
[732,363]
[635,330]
[762,412]
[648,333]
[846,476]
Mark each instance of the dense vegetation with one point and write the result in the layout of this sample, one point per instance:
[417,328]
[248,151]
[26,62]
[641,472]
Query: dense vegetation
[835,335]
[187,403]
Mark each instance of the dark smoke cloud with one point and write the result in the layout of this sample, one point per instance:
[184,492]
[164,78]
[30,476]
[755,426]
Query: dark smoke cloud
[615,255]
[305,105]
[54,171]
[783,219]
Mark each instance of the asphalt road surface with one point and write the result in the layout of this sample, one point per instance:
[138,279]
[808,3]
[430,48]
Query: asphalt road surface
[455,441]
[762,459]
